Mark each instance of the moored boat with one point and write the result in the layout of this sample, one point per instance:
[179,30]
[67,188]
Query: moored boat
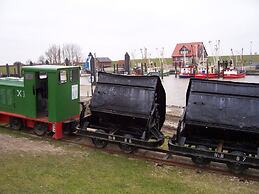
[233,73]
[187,71]
[204,75]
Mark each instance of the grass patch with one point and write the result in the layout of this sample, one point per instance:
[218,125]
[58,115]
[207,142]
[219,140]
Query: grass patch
[93,171]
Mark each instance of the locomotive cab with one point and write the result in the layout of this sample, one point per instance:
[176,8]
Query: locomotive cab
[45,85]
[46,99]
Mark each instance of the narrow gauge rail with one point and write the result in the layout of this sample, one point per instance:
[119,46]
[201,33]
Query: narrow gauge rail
[77,140]
[100,140]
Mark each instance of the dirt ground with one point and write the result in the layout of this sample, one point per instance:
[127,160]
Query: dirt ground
[173,115]
[21,144]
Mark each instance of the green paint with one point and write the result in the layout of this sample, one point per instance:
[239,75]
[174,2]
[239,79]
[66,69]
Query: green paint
[20,95]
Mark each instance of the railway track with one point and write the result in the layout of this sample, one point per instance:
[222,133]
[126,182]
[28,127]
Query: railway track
[162,159]
[159,159]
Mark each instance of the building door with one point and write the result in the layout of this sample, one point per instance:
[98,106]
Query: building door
[30,94]
[41,94]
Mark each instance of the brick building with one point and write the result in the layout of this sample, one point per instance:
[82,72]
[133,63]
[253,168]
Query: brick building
[188,53]
[103,62]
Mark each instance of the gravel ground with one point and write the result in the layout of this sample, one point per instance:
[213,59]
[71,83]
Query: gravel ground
[13,144]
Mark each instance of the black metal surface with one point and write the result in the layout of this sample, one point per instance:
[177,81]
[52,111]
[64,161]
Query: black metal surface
[118,139]
[174,148]
[127,63]
[129,96]
[229,105]
[222,117]
[133,105]
[249,161]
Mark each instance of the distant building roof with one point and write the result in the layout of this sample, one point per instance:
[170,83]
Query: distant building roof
[193,48]
[121,62]
[103,59]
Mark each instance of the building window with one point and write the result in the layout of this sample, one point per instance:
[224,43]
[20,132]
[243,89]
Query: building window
[184,50]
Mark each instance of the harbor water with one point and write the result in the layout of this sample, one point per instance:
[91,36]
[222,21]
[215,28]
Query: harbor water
[175,87]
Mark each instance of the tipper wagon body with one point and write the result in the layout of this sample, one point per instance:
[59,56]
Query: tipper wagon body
[221,119]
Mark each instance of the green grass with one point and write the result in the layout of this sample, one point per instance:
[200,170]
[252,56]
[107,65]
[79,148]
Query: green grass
[246,60]
[94,171]
[3,69]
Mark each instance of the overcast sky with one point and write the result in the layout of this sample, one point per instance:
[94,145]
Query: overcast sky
[112,27]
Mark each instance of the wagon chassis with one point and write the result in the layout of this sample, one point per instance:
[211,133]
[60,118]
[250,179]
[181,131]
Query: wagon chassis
[174,149]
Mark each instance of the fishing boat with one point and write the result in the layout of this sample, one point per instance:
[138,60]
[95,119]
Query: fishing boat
[232,73]
[204,75]
[234,69]
[186,71]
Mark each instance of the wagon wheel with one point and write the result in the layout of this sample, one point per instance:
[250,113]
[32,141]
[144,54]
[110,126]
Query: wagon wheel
[128,149]
[198,160]
[69,129]
[99,143]
[236,167]
[40,129]
[16,123]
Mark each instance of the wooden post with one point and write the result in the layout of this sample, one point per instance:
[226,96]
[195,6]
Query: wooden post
[207,69]
[218,69]
[7,70]
[162,71]
[175,69]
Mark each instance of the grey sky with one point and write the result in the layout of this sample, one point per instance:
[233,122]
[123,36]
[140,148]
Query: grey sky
[112,27]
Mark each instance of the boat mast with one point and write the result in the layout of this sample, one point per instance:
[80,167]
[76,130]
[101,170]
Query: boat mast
[242,65]
[184,49]
[162,63]
[232,57]
[142,56]
[133,58]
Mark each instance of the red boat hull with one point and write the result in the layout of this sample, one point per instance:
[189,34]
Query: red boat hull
[234,76]
[204,76]
[186,75]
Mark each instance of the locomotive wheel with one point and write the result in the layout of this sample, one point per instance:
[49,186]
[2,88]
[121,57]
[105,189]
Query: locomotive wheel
[200,161]
[98,142]
[15,123]
[69,129]
[40,129]
[128,149]
[235,167]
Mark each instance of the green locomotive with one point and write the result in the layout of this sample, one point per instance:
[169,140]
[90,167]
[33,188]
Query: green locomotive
[45,99]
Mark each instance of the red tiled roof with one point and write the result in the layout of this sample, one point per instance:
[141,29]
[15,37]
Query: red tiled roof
[193,47]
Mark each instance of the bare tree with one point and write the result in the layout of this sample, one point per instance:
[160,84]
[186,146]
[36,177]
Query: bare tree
[53,54]
[27,61]
[72,52]
[41,59]
[57,55]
